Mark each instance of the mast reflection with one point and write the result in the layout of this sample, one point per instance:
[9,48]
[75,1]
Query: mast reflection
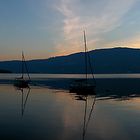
[87,115]
[24,97]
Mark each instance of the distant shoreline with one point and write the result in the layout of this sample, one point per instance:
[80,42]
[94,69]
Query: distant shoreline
[104,86]
[5,71]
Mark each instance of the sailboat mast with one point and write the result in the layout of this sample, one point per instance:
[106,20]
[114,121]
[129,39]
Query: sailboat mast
[85,53]
[22,64]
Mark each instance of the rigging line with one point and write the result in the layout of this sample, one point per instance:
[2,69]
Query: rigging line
[91,68]
[22,66]
[26,68]
[85,54]
[87,58]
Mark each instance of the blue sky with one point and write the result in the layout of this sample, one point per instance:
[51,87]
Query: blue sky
[47,28]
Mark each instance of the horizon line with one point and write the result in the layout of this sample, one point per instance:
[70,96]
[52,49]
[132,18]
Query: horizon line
[117,47]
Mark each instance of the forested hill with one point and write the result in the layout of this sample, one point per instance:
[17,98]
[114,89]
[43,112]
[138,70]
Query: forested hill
[114,60]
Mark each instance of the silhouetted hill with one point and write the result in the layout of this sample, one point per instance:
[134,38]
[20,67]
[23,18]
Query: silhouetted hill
[114,60]
[5,71]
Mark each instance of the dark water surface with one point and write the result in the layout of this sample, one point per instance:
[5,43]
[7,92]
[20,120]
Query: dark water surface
[48,114]
[106,84]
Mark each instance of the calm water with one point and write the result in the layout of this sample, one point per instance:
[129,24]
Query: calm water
[46,76]
[106,84]
[47,114]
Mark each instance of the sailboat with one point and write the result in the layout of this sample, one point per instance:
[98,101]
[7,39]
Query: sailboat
[84,86]
[21,82]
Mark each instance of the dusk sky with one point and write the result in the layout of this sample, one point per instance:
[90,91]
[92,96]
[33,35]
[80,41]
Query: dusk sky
[47,28]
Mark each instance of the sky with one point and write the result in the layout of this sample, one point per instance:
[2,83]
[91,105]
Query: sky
[48,28]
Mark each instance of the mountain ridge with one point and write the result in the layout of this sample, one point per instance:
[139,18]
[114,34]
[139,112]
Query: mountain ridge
[110,60]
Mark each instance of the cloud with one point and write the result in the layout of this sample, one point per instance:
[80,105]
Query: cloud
[105,18]
[97,17]
[70,21]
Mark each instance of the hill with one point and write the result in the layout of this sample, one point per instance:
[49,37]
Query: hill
[114,60]
[5,71]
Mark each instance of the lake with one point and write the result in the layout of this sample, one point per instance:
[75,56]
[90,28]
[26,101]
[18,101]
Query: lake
[45,76]
[51,112]
[106,84]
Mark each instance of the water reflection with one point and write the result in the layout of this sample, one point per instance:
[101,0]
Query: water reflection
[51,115]
[109,87]
[106,84]
[87,116]
[24,97]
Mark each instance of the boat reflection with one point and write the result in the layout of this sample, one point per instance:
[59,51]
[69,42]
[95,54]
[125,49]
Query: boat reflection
[88,110]
[24,97]
[87,115]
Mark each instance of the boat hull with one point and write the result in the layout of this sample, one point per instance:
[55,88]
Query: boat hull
[83,90]
[82,87]
[21,83]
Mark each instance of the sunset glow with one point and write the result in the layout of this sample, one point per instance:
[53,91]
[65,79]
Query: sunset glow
[48,28]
